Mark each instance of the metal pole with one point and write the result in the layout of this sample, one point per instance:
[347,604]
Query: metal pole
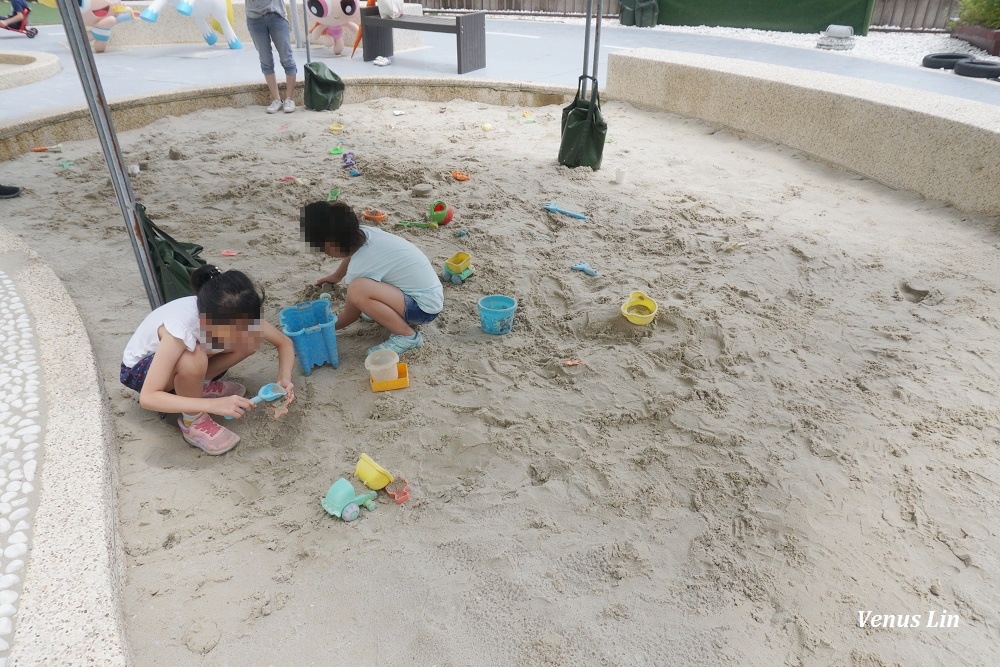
[79,44]
[294,9]
[597,44]
[586,46]
[305,20]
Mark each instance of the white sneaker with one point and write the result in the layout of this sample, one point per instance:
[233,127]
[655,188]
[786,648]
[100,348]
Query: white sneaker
[289,105]
[275,107]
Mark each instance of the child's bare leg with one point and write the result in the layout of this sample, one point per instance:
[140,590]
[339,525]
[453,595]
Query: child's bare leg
[381,302]
[290,86]
[189,373]
[348,316]
[222,362]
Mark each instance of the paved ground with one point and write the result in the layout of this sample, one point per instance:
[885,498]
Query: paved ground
[516,50]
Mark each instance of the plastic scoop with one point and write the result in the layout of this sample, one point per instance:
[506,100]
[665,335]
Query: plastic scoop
[583,266]
[270,393]
[552,208]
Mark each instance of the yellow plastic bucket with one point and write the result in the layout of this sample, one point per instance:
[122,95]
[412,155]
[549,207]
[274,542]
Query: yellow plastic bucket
[639,308]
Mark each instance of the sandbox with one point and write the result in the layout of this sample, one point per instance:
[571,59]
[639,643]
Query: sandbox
[805,430]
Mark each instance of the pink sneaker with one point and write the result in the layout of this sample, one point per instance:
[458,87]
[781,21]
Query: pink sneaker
[208,436]
[219,389]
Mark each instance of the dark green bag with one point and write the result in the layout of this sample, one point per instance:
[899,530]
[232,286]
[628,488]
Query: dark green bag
[174,261]
[324,90]
[583,130]
[647,13]
[642,13]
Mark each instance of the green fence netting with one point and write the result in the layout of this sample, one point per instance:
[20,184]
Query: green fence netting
[786,15]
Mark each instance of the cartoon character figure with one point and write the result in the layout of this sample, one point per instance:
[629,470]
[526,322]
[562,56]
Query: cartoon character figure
[332,18]
[219,11]
[100,16]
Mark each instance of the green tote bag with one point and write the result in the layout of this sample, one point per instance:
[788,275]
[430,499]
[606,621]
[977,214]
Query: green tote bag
[174,261]
[583,130]
[324,90]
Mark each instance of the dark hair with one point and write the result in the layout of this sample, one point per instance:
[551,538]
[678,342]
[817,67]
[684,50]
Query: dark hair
[226,297]
[323,222]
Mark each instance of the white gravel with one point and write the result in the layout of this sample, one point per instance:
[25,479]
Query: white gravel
[899,48]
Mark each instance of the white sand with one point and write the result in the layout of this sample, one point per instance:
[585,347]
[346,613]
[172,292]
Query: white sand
[809,428]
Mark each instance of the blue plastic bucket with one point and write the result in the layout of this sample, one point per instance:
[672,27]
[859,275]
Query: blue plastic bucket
[497,314]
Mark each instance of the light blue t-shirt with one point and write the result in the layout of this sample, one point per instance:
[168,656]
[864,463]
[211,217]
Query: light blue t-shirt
[390,259]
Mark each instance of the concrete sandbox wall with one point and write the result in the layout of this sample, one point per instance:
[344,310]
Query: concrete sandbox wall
[941,147]
[21,135]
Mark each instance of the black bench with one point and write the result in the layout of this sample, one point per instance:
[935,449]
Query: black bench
[470,29]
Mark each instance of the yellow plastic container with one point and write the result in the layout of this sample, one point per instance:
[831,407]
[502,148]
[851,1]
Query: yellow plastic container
[372,474]
[401,382]
[458,262]
[639,308]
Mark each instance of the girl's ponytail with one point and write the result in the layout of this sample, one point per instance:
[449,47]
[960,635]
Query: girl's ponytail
[202,275]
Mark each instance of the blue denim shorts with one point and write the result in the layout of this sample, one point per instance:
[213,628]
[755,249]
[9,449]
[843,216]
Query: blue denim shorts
[412,313]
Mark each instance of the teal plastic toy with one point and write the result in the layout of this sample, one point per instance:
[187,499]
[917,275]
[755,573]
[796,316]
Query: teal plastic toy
[341,502]
[268,393]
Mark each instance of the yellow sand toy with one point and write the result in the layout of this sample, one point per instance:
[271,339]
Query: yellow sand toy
[457,268]
[372,474]
[639,308]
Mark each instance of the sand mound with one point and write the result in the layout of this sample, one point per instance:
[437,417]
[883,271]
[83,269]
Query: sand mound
[807,429]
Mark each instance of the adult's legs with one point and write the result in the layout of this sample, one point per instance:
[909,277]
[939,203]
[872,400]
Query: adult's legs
[258,28]
[279,31]
[380,301]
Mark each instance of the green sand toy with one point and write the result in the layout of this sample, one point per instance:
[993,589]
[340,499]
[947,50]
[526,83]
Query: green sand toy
[341,502]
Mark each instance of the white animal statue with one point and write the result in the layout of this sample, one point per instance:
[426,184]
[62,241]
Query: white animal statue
[219,11]
[331,19]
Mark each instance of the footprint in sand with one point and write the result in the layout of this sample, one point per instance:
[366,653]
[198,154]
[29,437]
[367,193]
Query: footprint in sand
[917,293]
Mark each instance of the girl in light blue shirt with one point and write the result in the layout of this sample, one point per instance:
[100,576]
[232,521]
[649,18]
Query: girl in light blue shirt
[388,278]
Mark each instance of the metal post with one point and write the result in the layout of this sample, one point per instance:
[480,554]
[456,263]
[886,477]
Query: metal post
[294,10]
[586,47]
[79,44]
[597,43]
[305,20]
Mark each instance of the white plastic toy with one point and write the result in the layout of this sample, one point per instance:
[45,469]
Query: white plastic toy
[219,11]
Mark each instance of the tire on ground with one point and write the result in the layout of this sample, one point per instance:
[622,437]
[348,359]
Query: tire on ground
[945,60]
[981,69]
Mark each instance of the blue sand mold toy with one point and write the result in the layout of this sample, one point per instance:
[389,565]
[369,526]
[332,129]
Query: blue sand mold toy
[311,326]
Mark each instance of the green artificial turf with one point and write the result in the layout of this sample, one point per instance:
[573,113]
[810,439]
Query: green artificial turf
[40,14]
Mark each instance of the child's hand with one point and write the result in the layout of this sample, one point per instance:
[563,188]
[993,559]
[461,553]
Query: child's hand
[333,279]
[287,386]
[232,406]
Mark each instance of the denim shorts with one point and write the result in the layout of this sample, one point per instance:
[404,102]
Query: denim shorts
[270,28]
[412,313]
